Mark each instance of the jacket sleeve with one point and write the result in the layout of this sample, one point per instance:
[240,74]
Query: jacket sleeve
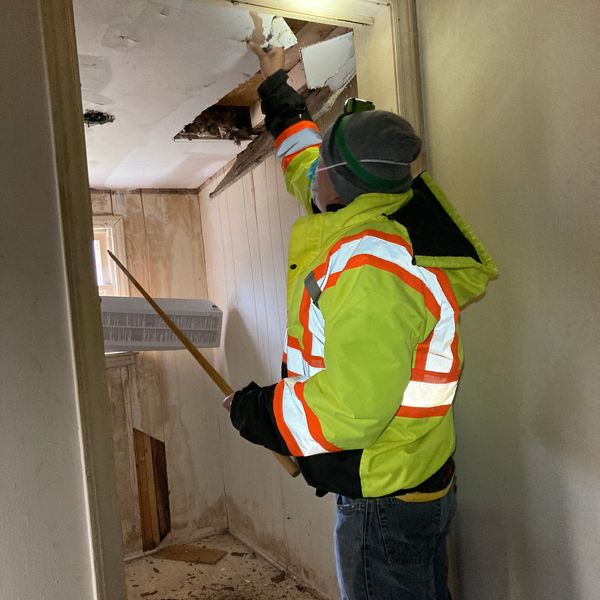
[297,137]
[367,366]
[252,415]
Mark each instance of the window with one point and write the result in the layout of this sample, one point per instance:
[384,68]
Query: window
[109,235]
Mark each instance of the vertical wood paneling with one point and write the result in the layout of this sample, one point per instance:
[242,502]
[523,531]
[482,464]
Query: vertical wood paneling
[279,238]
[242,333]
[129,205]
[101,202]
[198,260]
[175,401]
[267,508]
[261,342]
[120,383]
[274,303]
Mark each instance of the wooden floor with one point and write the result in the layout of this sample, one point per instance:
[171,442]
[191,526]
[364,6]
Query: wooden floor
[240,575]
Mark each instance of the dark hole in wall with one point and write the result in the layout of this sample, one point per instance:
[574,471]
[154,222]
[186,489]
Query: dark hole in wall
[97,117]
[219,123]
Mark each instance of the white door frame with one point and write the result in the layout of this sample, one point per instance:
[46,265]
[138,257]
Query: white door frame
[382,29]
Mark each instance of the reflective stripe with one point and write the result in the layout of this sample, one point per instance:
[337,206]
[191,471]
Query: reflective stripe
[427,395]
[440,349]
[434,378]
[292,129]
[300,428]
[288,158]
[295,139]
[296,362]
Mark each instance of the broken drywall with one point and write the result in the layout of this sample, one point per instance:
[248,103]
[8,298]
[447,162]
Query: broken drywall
[330,63]
[156,65]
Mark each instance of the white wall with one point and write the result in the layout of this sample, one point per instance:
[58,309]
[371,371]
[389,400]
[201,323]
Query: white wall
[44,531]
[246,233]
[511,106]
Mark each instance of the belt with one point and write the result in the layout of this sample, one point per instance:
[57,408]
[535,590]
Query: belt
[425,496]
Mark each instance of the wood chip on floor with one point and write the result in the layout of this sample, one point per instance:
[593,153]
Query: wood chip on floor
[240,575]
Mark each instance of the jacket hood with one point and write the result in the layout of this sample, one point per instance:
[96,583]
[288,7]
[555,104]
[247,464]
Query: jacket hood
[439,236]
[441,239]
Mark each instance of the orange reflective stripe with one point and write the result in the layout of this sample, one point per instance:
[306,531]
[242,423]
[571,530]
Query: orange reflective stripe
[413,412]
[434,376]
[284,430]
[388,237]
[313,361]
[314,425]
[288,159]
[292,342]
[292,129]
[411,280]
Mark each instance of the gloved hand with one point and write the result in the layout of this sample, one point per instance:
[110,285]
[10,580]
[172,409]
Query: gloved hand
[227,402]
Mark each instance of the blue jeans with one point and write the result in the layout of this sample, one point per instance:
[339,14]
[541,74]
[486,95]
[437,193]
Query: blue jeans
[387,549]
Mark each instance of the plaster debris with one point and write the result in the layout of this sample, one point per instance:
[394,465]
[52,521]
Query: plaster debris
[191,554]
[235,577]
[330,63]
[277,32]
[271,31]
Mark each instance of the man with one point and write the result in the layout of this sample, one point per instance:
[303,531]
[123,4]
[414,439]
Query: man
[378,271]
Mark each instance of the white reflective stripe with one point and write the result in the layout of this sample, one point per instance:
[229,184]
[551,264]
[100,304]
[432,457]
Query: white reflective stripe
[298,141]
[295,419]
[439,358]
[427,395]
[297,364]
[316,325]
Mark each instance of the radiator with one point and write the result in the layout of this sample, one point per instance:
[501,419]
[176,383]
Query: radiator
[130,323]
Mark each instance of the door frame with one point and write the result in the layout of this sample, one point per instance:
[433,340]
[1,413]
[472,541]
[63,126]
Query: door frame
[381,29]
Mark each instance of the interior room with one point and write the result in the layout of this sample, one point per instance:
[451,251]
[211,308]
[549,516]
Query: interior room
[136,127]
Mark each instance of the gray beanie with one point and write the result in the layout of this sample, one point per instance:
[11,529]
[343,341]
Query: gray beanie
[370,136]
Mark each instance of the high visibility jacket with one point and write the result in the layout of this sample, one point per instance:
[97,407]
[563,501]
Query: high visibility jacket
[373,352]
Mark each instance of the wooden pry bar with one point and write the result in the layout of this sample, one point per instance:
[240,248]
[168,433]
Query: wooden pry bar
[285,461]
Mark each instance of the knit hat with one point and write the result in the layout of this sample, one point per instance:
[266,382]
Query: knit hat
[363,139]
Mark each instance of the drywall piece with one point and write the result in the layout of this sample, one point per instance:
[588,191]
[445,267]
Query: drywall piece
[155,66]
[330,63]
[279,34]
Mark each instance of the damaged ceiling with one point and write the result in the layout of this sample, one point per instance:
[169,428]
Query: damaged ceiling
[153,66]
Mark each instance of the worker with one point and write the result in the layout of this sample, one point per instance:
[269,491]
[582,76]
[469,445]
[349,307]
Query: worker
[378,272]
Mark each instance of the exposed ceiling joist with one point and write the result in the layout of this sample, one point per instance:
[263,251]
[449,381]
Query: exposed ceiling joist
[318,102]
[345,13]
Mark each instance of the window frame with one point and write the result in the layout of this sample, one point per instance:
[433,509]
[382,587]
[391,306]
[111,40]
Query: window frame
[115,224]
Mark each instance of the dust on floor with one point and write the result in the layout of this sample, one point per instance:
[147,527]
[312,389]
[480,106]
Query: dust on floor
[240,575]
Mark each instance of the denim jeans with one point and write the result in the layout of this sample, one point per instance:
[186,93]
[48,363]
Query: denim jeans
[387,549]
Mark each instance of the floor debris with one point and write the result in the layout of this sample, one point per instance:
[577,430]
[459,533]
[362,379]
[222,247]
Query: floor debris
[240,575]
[191,554]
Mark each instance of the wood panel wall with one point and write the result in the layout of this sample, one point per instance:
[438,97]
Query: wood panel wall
[176,402]
[246,236]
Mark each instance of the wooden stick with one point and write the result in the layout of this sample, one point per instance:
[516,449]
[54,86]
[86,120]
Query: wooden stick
[286,462]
